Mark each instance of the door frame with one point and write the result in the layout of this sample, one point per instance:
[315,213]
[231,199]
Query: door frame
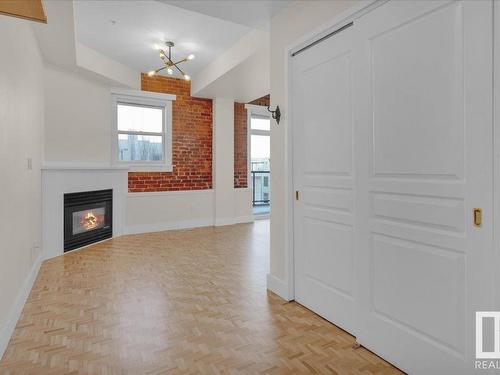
[496,152]
[259,110]
[351,14]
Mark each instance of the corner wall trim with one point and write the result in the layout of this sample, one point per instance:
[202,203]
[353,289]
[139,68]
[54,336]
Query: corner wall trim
[15,312]
[278,286]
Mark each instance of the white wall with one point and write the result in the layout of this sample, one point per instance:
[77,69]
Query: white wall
[106,68]
[149,212]
[78,130]
[58,44]
[294,22]
[78,118]
[249,45]
[21,126]
[240,73]
[223,155]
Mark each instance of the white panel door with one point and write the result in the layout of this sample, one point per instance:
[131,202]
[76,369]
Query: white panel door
[324,175]
[423,89]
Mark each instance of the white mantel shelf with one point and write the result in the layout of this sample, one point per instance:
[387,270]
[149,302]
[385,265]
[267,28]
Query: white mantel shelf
[80,166]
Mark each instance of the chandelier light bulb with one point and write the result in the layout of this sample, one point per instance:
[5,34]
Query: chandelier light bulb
[167,59]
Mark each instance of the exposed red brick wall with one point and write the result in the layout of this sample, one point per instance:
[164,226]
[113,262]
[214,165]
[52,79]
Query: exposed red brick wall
[191,141]
[240,146]
[240,141]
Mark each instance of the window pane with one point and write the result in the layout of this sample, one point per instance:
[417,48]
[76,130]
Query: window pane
[139,119]
[260,147]
[260,123]
[134,147]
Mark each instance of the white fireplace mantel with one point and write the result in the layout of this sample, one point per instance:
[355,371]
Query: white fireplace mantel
[61,178]
[62,166]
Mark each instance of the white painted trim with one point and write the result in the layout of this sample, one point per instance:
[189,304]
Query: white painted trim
[278,287]
[350,14]
[289,190]
[260,110]
[159,227]
[218,222]
[149,167]
[15,311]
[143,98]
[143,94]
[169,193]
[249,150]
[243,219]
[61,166]
[496,152]
[261,217]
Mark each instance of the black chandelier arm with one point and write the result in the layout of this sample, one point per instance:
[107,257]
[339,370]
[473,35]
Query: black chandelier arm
[179,69]
[170,62]
[166,58]
[160,69]
[181,61]
[175,65]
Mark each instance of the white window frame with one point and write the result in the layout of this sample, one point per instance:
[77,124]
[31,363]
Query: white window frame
[261,111]
[148,99]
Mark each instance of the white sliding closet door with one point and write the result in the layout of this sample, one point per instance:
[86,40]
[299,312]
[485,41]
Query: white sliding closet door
[324,175]
[424,89]
[393,132]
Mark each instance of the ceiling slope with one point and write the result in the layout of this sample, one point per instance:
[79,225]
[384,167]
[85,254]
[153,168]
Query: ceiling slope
[59,47]
[251,13]
[241,73]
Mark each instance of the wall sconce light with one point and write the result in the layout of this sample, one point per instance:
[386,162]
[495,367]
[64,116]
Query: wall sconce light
[276,114]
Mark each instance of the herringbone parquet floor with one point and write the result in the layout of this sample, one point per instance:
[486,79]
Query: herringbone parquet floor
[175,302]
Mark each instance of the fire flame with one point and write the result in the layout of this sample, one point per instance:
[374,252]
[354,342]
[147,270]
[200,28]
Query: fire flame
[89,221]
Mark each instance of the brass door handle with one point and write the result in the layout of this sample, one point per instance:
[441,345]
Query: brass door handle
[478,217]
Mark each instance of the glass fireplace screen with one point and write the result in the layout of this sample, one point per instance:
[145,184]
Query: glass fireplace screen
[87,220]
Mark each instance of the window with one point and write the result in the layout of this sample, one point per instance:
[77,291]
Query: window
[260,123]
[142,130]
[259,136]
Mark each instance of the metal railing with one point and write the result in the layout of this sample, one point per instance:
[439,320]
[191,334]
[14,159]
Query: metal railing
[260,184]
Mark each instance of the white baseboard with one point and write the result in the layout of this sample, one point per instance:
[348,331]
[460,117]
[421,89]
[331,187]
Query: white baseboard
[244,219]
[261,217]
[233,220]
[158,227]
[278,286]
[15,311]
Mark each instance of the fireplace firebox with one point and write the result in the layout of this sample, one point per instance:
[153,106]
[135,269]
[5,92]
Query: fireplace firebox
[88,218]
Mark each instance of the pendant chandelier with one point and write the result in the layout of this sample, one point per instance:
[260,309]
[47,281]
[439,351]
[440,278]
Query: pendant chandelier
[170,65]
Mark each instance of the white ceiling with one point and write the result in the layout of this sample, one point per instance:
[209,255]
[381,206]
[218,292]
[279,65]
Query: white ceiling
[256,14]
[139,25]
